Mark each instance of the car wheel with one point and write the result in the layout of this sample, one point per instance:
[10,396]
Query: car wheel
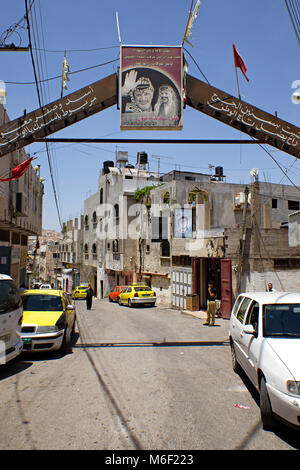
[119,302]
[66,342]
[73,329]
[265,406]
[110,299]
[235,365]
[129,303]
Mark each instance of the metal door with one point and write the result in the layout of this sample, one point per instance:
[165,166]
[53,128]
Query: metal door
[226,288]
[181,286]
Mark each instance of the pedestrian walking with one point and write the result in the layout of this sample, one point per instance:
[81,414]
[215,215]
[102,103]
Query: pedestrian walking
[89,297]
[211,305]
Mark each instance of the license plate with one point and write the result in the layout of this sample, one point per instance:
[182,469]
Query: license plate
[27,340]
[146,295]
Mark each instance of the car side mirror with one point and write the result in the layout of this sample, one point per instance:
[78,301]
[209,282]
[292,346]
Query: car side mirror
[70,307]
[249,329]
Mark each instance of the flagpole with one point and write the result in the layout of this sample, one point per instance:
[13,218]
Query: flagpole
[237,81]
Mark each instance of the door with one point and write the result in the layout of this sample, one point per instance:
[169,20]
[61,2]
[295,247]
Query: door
[226,288]
[181,286]
[250,344]
[236,331]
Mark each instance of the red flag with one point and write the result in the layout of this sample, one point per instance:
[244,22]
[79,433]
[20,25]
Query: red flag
[238,62]
[19,170]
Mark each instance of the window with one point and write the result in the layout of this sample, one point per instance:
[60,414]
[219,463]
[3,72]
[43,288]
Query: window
[252,317]
[94,248]
[165,248]
[101,196]
[242,309]
[274,203]
[293,205]
[41,302]
[236,305]
[94,219]
[166,198]
[284,263]
[9,297]
[116,246]
[86,222]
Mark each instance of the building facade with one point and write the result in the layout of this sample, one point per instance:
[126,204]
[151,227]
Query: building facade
[21,202]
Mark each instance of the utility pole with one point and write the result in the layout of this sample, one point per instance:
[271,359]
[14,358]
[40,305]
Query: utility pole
[158,157]
[242,241]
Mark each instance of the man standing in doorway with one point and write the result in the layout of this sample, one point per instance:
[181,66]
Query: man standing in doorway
[211,305]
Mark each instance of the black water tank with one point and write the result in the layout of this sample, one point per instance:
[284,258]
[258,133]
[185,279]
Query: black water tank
[142,158]
[107,165]
[219,171]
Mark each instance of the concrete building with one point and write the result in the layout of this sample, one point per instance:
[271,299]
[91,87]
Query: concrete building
[235,234]
[20,212]
[111,232]
[238,238]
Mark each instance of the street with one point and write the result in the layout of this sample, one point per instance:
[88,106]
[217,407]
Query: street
[136,379]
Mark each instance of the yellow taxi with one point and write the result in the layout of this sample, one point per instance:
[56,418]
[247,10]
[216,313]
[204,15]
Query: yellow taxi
[79,292]
[49,320]
[137,294]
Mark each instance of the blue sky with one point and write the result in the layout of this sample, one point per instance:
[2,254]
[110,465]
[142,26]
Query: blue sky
[261,30]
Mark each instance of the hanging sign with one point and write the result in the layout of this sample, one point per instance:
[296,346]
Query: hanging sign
[151,87]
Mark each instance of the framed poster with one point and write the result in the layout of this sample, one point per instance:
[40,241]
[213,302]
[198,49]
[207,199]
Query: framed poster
[183,223]
[151,87]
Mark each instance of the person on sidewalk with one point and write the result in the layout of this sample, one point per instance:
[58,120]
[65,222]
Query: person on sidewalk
[211,305]
[89,297]
[270,287]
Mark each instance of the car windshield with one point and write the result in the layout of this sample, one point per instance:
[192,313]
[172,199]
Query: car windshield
[42,303]
[9,297]
[281,320]
[142,289]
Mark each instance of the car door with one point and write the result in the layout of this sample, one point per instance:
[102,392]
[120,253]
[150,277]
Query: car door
[250,343]
[236,329]
[68,312]
[128,294]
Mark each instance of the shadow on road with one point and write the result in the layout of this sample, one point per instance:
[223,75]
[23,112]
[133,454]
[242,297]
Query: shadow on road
[151,344]
[283,431]
[13,367]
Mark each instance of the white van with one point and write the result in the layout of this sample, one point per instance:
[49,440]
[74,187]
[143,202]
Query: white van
[11,313]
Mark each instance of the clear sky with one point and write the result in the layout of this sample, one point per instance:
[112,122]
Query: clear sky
[87,31]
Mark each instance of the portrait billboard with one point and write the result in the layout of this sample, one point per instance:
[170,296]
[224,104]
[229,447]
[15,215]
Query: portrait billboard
[183,223]
[151,87]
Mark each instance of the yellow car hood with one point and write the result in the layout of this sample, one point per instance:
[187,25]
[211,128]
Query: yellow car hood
[41,318]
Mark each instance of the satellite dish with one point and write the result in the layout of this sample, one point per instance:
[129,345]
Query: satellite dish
[254,172]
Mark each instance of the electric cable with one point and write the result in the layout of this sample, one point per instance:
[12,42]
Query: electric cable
[40,103]
[59,76]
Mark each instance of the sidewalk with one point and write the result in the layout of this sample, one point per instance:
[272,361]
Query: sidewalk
[201,314]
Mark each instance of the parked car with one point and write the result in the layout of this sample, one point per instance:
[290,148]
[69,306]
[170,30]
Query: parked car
[113,296]
[137,295]
[79,292]
[11,312]
[45,286]
[48,320]
[264,336]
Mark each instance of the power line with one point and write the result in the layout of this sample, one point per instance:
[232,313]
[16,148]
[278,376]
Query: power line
[96,49]
[294,17]
[40,103]
[59,76]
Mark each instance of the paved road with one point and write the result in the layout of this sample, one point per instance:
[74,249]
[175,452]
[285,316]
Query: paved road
[140,378]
